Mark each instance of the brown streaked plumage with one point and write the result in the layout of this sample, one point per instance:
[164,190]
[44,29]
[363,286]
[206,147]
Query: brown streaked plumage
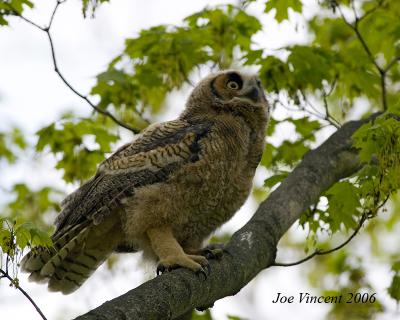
[165,192]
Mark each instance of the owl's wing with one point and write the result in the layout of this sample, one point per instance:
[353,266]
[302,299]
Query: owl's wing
[158,152]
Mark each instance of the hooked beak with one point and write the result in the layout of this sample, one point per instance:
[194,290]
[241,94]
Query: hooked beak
[253,94]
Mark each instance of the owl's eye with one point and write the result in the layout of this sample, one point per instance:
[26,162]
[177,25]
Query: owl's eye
[233,85]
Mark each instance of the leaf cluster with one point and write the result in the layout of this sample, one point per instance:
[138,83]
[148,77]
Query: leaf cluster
[70,141]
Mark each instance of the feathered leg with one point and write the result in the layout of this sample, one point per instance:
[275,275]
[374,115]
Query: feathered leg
[171,254]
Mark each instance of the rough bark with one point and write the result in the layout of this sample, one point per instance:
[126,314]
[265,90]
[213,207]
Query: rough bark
[250,250]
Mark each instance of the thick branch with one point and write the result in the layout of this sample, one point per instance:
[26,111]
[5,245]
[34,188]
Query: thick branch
[251,249]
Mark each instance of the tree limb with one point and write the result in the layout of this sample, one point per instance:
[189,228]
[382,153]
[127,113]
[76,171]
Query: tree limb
[61,76]
[251,249]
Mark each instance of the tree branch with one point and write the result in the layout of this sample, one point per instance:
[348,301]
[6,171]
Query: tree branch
[319,252]
[4,274]
[355,27]
[251,249]
[61,76]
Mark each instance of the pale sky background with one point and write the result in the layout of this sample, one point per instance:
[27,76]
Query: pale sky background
[32,96]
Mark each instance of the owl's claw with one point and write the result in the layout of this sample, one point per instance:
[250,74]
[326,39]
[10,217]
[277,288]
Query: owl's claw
[160,269]
[202,272]
[208,269]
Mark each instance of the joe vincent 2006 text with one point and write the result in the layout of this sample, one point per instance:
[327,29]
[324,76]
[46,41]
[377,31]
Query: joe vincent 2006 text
[304,297]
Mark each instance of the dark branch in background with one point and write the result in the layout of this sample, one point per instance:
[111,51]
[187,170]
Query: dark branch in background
[57,70]
[325,96]
[327,117]
[319,252]
[355,27]
[4,274]
[366,215]
[251,249]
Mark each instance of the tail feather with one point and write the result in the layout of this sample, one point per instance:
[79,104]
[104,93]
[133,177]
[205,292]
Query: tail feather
[57,259]
[75,270]
[76,253]
[39,256]
[36,259]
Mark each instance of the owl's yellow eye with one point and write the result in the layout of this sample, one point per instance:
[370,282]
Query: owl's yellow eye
[232,85]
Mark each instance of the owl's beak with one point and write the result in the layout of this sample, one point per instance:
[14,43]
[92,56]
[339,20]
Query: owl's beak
[253,94]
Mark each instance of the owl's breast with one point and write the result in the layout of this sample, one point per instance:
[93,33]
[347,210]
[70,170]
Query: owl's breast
[217,185]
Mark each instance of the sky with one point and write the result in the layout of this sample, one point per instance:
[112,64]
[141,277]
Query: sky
[32,96]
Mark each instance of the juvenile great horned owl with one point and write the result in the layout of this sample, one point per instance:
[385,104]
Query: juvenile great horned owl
[165,192]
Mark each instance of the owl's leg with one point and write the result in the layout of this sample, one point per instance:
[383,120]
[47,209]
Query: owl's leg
[171,254]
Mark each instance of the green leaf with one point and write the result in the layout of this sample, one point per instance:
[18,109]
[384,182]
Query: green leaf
[344,205]
[5,240]
[290,152]
[32,205]
[5,151]
[11,142]
[206,315]
[311,66]
[12,7]
[306,127]
[275,74]
[282,7]
[91,6]
[28,233]
[396,266]
[230,317]
[394,289]
[18,138]
[76,158]
[275,179]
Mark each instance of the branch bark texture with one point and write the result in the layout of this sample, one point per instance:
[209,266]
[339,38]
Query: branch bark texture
[250,250]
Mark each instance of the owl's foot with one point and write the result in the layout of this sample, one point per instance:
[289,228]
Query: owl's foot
[198,264]
[171,254]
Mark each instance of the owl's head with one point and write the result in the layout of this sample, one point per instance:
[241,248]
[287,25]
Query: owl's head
[228,91]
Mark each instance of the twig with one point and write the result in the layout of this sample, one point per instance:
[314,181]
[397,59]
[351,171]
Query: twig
[54,13]
[319,252]
[57,70]
[392,63]
[366,215]
[368,12]
[6,275]
[316,113]
[354,27]
[325,95]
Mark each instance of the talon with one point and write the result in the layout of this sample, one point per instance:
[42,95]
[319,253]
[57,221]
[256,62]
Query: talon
[206,267]
[201,271]
[160,269]
[204,308]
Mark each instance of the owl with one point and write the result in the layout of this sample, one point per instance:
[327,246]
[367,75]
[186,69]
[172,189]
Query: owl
[165,192]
